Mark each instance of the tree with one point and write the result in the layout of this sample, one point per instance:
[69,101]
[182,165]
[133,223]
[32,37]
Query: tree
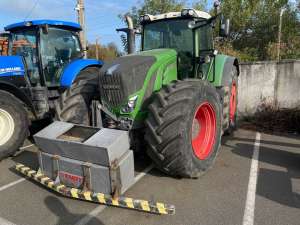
[155,7]
[254,25]
[105,53]
[255,28]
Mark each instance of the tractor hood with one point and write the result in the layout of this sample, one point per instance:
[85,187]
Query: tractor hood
[129,74]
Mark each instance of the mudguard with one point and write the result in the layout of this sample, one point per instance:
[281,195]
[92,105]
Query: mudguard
[18,93]
[11,66]
[73,69]
[223,67]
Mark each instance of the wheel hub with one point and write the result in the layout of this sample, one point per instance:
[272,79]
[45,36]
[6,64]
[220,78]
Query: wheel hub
[7,126]
[204,131]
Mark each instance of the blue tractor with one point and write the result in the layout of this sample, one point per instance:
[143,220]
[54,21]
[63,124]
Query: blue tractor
[42,73]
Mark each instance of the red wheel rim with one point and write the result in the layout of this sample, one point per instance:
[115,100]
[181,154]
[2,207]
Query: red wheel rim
[204,131]
[232,109]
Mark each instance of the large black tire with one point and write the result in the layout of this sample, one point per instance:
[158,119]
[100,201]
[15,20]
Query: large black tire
[169,132]
[13,124]
[230,92]
[74,104]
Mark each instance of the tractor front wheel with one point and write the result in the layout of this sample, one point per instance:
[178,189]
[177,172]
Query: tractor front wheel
[74,105]
[183,128]
[13,124]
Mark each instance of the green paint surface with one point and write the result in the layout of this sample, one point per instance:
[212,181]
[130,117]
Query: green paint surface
[165,71]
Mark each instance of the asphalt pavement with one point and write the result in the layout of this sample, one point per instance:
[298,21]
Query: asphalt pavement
[255,180]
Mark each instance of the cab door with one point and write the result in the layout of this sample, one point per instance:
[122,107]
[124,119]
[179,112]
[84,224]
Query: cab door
[203,51]
[24,43]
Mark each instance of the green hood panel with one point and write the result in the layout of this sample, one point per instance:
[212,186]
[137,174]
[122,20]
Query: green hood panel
[160,54]
[139,75]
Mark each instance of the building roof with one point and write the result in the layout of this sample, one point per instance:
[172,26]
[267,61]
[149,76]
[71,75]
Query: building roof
[63,24]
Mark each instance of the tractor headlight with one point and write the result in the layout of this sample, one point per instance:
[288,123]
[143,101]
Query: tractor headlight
[130,105]
[188,13]
[145,18]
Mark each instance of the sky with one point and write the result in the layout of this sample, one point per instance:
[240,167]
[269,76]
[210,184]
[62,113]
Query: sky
[101,16]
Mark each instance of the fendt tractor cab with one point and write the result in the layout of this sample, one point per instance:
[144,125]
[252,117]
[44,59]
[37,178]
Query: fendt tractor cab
[177,96]
[41,63]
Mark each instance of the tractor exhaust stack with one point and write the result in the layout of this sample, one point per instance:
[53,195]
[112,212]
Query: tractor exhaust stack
[130,32]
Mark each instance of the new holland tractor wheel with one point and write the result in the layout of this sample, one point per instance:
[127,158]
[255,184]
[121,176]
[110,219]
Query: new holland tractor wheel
[13,124]
[183,128]
[230,104]
[74,104]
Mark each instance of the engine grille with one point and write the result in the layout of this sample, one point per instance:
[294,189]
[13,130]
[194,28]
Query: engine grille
[111,89]
[122,77]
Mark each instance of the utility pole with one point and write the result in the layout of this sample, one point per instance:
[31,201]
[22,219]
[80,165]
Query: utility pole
[81,20]
[279,34]
[97,48]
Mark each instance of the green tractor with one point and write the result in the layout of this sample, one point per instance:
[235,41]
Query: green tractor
[177,96]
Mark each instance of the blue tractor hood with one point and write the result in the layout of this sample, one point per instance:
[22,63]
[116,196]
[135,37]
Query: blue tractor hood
[11,66]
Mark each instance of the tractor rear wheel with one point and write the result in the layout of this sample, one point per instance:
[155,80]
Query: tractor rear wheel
[13,124]
[183,128]
[74,105]
[230,104]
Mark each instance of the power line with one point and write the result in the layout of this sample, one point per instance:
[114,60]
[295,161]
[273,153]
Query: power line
[29,13]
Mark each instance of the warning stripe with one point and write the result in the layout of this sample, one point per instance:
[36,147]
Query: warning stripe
[123,202]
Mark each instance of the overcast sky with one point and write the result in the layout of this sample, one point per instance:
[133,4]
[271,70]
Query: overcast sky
[101,16]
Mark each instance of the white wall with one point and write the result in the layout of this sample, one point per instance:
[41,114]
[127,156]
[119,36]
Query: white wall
[272,83]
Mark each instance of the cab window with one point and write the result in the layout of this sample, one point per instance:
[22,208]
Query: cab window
[24,43]
[58,48]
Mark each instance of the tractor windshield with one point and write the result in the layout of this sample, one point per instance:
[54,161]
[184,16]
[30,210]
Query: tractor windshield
[58,48]
[174,34]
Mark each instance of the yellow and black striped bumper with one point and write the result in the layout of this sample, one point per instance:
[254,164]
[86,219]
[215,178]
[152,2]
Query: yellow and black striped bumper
[123,202]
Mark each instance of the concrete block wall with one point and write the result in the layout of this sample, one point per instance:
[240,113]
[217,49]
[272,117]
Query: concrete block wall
[271,83]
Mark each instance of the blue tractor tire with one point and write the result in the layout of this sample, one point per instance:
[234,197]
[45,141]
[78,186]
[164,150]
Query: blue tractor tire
[74,104]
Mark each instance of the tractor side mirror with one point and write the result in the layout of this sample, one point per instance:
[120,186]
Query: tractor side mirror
[224,27]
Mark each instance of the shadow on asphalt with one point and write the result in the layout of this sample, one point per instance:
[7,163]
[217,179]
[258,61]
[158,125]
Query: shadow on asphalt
[63,214]
[277,186]
[28,158]
[274,185]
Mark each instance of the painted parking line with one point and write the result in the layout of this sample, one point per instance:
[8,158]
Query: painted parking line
[85,220]
[12,184]
[251,194]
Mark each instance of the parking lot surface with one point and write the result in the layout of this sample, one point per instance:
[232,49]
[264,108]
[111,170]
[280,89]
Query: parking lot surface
[242,188]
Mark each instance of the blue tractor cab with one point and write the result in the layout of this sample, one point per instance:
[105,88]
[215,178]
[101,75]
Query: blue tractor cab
[40,62]
[47,46]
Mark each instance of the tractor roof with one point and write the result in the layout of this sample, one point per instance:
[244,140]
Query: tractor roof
[170,15]
[63,24]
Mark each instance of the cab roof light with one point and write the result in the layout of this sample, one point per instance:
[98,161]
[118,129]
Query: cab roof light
[188,13]
[145,18]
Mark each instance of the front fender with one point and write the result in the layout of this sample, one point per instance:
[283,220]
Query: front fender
[223,66]
[71,71]
[18,93]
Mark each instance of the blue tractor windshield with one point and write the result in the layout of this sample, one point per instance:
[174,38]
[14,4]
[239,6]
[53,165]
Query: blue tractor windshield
[59,47]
